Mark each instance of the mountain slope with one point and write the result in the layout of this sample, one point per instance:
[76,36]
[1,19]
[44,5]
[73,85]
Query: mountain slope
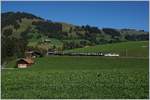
[20,22]
[22,31]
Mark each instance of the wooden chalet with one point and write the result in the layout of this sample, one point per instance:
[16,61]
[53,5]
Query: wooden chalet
[24,62]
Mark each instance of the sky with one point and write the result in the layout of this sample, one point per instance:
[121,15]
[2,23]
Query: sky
[112,14]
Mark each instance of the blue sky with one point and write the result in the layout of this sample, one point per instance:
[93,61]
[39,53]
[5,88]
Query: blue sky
[127,14]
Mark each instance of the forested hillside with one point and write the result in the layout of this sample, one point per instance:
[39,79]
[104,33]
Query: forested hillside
[22,31]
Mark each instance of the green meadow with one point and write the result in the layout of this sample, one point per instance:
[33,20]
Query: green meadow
[81,77]
[130,49]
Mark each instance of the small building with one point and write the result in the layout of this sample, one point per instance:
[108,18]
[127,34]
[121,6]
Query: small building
[32,54]
[24,62]
[29,54]
[47,40]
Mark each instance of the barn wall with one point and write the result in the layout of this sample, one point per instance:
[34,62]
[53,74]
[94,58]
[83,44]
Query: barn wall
[22,65]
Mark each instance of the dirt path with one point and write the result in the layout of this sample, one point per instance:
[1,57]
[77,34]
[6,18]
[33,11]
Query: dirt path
[9,68]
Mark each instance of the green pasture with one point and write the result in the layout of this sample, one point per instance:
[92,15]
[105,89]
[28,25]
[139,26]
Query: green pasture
[78,77]
[130,49]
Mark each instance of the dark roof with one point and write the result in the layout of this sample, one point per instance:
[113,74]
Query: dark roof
[32,52]
[27,60]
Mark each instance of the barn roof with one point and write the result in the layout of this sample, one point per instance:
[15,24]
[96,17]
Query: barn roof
[28,60]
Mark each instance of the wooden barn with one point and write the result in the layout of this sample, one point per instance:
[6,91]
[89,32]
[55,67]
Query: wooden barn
[24,62]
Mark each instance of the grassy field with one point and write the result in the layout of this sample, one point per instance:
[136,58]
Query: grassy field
[78,77]
[130,49]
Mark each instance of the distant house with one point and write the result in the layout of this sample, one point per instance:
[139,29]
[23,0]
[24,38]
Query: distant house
[32,54]
[29,54]
[24,62]
[47,40]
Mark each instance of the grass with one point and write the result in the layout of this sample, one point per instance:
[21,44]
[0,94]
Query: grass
[134,49]
[82,77]
[78,77]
